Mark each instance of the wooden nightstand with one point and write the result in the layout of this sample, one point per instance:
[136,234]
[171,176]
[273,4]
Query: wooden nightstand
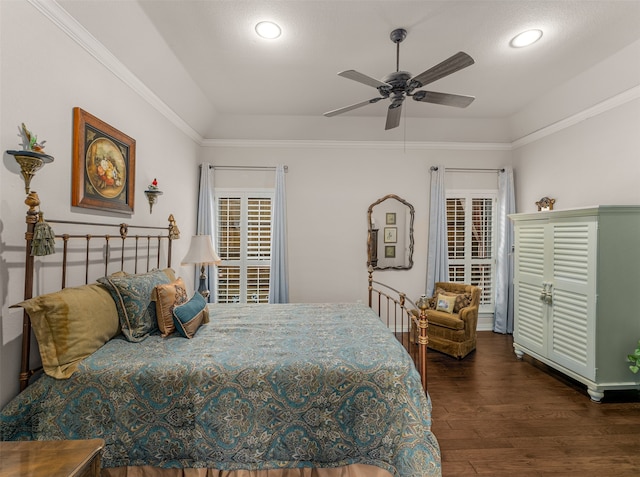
[51,458]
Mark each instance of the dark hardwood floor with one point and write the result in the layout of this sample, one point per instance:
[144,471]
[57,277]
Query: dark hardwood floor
[496,416]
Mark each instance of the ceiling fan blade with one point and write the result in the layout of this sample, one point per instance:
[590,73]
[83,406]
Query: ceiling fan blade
[362,78]
[335,112]
[393,116]
[457,62]
[447,99]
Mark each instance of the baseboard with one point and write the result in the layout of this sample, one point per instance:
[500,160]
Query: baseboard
[485,322]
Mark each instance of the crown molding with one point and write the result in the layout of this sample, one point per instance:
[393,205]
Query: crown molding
[69,25]
[326,144]
[602,107]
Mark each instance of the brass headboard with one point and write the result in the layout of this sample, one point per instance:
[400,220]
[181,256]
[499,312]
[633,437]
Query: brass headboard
[146,248]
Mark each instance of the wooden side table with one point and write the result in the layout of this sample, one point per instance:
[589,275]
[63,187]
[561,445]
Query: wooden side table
[79,458]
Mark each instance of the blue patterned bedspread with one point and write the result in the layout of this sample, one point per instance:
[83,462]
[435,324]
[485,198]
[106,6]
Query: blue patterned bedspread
[259,387]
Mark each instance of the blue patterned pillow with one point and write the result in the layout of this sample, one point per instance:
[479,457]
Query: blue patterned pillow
[189,316]
[133,297]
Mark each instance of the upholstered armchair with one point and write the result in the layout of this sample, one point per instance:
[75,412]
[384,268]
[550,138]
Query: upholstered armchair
[453,318]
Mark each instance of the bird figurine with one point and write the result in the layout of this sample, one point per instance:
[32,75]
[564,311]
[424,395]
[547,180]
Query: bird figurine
[30,140]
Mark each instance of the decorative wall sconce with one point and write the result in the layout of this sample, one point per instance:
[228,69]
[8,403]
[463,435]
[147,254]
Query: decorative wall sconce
[32,158]
[30,162]
[152,194]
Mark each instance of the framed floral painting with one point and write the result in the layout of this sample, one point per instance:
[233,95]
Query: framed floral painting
[103,175]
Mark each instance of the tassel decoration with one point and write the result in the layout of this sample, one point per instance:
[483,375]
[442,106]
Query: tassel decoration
[44,240]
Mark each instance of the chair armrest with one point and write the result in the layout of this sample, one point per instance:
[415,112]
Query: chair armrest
[469,315]
[468,312]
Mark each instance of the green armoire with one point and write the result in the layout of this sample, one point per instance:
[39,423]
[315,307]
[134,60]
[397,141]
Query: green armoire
[577,293]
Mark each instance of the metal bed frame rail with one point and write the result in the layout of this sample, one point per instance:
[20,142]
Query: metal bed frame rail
[409,325]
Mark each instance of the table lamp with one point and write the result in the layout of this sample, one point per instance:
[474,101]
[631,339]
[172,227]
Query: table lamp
[201,252]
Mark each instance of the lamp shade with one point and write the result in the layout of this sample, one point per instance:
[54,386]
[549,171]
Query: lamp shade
[201,251]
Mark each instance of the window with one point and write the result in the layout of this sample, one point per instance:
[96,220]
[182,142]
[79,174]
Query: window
[244,245]
[471,231]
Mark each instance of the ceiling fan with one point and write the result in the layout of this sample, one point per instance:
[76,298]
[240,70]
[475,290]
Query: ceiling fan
[400,84]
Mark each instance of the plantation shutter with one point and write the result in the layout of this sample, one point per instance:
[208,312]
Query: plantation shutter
[258,249]
[471,244]
[244,246]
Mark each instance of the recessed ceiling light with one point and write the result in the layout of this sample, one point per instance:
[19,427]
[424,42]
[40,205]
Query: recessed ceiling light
[526,38]
[268,30]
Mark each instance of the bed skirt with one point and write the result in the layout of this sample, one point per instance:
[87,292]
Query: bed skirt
[353,470]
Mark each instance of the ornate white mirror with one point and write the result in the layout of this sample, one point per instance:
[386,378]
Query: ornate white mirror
[390,235]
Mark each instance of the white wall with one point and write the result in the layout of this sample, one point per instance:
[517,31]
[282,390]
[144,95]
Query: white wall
[44,75]
[585,148]
[329,189]
[595,162]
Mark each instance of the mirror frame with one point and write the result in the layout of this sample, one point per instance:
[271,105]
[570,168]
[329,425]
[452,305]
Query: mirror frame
[372,241]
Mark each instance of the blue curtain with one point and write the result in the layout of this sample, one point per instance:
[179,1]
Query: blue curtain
[206,223]
[437,258]
[279,276]
[503,320]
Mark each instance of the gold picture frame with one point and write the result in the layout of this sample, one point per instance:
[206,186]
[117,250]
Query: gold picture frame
[103,174]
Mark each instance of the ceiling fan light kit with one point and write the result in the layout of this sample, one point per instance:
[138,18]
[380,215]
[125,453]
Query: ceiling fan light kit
[398,85]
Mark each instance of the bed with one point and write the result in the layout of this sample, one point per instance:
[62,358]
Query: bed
[277,390]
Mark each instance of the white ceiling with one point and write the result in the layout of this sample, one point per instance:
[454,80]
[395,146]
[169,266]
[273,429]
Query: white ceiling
[205,61]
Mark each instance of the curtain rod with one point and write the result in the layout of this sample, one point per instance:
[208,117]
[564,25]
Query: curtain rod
[254,168]
[466,169]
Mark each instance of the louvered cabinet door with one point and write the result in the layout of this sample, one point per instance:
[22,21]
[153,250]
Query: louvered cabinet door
[572,306]
[530,325]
